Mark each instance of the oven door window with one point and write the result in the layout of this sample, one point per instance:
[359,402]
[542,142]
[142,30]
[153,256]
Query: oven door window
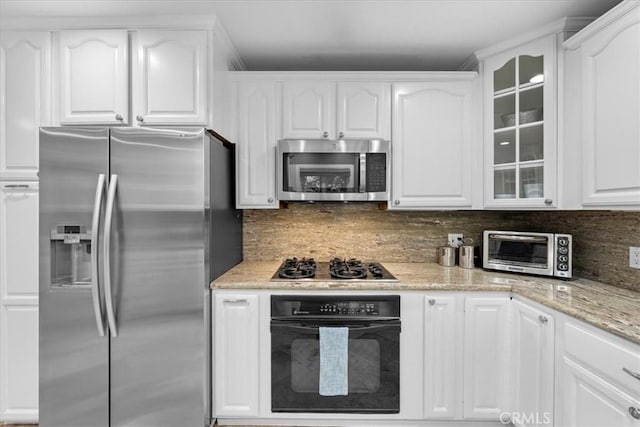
[373,369]
[321,172]
[533,253]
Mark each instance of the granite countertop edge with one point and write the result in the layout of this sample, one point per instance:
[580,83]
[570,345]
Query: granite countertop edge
[613,309]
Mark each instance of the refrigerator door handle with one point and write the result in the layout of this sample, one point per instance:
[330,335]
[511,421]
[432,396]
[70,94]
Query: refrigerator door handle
[95,232]
[108,217]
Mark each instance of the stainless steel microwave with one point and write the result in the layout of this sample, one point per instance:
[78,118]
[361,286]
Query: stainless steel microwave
[340,170]
[545,254]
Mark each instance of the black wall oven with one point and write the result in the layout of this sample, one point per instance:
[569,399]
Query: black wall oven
[373,355]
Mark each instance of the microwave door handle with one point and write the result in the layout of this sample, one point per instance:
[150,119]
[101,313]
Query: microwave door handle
[363,173]
[519,238]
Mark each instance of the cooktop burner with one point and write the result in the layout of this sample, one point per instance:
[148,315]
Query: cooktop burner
[336,269]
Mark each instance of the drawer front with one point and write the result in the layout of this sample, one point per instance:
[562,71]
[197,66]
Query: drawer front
[604,354]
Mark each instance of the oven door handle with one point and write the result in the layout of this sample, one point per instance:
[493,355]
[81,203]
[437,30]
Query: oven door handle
[302,327]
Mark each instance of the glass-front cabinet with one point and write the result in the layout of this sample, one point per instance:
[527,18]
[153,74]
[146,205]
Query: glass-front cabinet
[520,126]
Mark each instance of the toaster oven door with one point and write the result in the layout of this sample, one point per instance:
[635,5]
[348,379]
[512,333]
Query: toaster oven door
[519,252]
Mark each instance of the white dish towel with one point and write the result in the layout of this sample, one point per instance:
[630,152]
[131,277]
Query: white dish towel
[334,349]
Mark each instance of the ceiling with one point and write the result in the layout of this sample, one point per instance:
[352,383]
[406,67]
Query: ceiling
[393,35]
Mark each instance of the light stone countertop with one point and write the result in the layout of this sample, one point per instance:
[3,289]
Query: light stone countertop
[611,308]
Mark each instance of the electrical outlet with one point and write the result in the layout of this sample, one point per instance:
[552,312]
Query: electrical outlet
[634,257]
[455,240]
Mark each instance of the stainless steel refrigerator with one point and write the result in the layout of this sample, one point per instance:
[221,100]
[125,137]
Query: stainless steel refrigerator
[134,224]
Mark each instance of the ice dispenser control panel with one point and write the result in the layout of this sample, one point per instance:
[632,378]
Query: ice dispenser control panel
[70,255]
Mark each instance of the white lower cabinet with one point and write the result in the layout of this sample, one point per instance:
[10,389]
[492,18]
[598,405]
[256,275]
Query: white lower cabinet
[236,352]
[593,388]
[532,339]
[486,357]
[19,302]
[443,327]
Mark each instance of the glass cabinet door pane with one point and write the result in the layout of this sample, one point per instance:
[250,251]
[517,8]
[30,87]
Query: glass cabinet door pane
[531,69]
[504,147]
[531,143]
[504,109]
[531,105]
[505,77]
[504,184]
[531,182]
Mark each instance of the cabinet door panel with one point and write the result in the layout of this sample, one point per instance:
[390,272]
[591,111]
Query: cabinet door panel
[19,239]
[442,357]
[532,364]
[93,77]
[364,110]
[25,79]
[309,110]
[19,363]
[236,349]
[486,357]
[170,77]
[588,401]
[256,185]
[432,144]
[611,115]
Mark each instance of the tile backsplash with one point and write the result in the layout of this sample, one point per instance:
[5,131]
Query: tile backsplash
[361,230]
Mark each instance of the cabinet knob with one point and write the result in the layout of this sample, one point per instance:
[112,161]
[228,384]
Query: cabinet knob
[139,118]
[340,134]
[432,302]
[325,134]
[635,412]
[543,319]
[548,202]
[119,117]
[270,200]
[396,202]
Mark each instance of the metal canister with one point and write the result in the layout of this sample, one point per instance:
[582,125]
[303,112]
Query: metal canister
[467,256]
[447,256]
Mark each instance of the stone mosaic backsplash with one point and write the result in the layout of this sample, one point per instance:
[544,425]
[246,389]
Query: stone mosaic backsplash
[362,230]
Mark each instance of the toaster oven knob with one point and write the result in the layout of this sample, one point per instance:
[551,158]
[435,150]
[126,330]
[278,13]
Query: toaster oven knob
[563,250]
[563,267]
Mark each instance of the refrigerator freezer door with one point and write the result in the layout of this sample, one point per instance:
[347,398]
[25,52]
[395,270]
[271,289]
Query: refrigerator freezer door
[74,358]
[158,278]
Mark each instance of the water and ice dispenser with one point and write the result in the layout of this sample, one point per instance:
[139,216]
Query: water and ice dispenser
[70,256]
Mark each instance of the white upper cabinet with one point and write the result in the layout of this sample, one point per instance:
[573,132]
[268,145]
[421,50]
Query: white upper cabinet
[169,77]
[433,128]
[256,149]
[308,110]
[364,110]
[316,109]
[608,132]
[25,105]
[520,104]
[93,77]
